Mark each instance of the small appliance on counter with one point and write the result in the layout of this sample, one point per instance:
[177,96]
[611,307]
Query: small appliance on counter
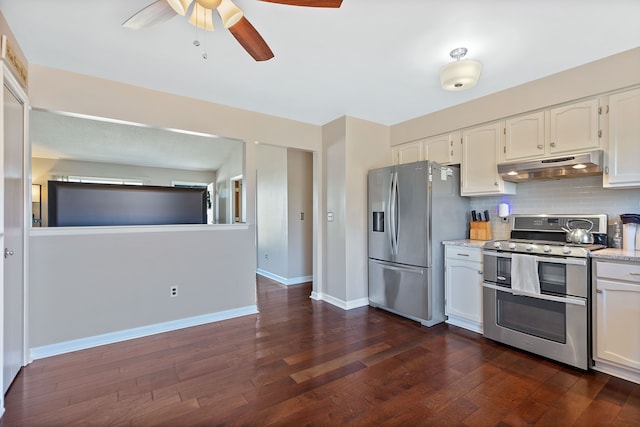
[630,232]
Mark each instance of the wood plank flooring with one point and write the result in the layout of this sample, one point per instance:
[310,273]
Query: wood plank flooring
[303,362]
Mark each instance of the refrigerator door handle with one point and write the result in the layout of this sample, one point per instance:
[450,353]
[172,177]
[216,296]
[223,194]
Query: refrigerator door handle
[395,267]
[393,200]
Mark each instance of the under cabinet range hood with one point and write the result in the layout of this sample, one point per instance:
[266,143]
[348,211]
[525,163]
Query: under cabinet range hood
[569,166]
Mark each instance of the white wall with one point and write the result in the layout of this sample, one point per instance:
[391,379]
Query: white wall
[300,201]
[43,169]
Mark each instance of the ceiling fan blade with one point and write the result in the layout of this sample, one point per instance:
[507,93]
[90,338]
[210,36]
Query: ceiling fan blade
[156,13]
[308,3]
[251,40]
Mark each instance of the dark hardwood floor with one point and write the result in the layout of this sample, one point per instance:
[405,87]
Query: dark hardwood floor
[304,362]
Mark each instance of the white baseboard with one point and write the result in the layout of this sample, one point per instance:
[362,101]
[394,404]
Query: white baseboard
[464,323]
[112,337]
[615,371]
[345,305]
[284,280]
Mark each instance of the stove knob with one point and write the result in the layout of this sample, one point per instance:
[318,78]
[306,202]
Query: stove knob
[529,247]
[566,250]
[512,245]
[496,244]
[546,248]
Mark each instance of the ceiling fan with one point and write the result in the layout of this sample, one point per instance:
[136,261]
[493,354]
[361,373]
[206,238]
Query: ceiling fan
[201,16]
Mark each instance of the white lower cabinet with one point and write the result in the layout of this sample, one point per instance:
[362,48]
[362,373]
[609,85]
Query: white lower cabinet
[616,323]
[463,287]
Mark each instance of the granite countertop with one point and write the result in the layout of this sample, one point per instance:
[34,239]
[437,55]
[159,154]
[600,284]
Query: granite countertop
[616,254]
[465,242]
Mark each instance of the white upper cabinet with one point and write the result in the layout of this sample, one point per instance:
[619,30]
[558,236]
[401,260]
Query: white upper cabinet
[574,127]
[407,153]
[524,137]
[479,166]
[444,149]
[622,160]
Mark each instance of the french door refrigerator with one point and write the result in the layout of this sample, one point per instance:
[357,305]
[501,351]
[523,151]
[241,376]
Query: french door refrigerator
[413,207]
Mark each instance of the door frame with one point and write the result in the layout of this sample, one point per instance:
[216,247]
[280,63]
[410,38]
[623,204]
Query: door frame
[10,81]
[232,198]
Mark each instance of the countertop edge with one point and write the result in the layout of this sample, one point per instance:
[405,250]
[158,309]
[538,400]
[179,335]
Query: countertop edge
[465,243]
[616,255]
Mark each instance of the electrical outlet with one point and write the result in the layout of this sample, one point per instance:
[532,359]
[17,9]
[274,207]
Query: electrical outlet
[266,256]
[173,291]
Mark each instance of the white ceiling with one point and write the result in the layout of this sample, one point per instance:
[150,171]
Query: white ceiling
[63,136]
[372,59]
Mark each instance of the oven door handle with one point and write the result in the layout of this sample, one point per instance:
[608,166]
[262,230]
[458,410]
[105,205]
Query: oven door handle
[572,261]
[565,300]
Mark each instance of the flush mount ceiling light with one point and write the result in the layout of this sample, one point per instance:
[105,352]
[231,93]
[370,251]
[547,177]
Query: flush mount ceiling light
[460,74]
[201,16]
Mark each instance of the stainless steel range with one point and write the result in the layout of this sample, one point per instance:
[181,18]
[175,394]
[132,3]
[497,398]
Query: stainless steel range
[536,287]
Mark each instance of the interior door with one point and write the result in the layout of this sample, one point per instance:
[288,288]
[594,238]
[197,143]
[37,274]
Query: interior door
[13,237]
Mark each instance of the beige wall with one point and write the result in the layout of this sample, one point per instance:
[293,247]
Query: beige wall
[352,147]
[607,74]
[300,200]
[234,267]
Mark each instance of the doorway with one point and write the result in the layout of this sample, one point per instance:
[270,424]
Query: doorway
[285,214]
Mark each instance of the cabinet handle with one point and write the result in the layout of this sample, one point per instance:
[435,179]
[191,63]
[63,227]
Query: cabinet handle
[634,274]
[479,271]
[495,183]
[598,291]
[462,254]
[553,144]
[540,146]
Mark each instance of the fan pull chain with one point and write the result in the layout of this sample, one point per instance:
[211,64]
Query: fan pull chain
[196,42]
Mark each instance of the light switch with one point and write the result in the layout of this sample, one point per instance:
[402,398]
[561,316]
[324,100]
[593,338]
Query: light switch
[330,216]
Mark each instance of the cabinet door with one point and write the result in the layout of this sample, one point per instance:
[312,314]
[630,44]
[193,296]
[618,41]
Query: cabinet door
[443,149]
[623,167]
[524,137]
[479,167]
[574,127]
[464,289]
[618,322]
[408,153]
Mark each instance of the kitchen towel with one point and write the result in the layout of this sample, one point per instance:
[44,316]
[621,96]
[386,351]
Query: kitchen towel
[524,274]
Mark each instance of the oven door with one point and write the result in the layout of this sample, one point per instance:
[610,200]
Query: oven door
[550,324]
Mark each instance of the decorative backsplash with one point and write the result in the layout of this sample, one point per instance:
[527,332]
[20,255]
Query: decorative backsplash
[564,196]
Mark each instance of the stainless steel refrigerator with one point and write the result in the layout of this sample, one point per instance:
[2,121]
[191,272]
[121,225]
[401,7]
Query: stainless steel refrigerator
[413,207]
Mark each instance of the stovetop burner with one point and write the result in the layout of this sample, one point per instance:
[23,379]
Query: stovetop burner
[544,234]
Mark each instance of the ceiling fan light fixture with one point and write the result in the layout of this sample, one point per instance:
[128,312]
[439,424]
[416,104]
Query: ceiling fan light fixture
[209,4]
[229,13]
[201,17]
[460,74]
[180,6]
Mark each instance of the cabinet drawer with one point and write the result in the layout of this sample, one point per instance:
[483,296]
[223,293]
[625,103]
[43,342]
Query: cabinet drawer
[464,253]
[619,271]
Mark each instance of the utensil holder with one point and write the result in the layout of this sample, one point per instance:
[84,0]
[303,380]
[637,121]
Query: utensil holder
[480,230]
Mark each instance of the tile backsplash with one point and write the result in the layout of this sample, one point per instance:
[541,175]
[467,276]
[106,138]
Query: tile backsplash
[563,196]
